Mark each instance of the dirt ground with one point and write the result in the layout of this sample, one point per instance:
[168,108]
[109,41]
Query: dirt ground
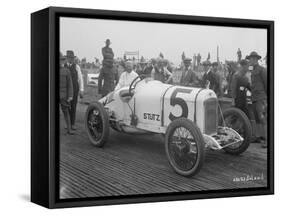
[129,165]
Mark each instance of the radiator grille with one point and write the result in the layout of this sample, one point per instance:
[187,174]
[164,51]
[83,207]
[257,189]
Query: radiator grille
[211,116]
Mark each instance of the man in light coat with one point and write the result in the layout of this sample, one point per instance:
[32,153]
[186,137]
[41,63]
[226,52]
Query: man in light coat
[127,76]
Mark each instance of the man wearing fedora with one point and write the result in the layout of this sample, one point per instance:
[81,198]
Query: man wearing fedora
[188,77]
[66,93]
[141,66]
[259,93]
[206,69]
[212,79]
[78,85]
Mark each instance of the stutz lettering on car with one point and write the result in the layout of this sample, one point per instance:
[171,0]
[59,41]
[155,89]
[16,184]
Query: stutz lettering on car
[151,116]
[174,100]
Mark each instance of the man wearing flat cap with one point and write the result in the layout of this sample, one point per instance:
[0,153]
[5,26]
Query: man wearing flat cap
[240,85]
[78,85]
[107,54]
[188,77]
[206,66]
[259,93]
[206,69]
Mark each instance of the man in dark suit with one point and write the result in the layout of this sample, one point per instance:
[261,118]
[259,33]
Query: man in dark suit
[188,77]
[239,86]
[78,85]
[66,93]
[107,81]
[212,80]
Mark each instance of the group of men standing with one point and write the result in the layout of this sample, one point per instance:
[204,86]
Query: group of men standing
[250,76]
[157,69]
[71,83]
[256,83]
[71,86]
[211,78]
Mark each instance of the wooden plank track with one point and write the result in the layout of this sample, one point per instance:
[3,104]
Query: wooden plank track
[138,165]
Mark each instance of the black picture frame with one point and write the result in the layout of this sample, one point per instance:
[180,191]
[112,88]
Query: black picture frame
[44,106]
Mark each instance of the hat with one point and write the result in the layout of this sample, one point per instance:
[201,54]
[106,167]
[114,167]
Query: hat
[215,64]
[253,54]
[187,60]
[153,61]
[108,41]
[206,63]
[243,62]
[70,54]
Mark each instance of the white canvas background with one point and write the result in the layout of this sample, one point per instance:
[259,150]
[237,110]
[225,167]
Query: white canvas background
[152,38]
[15,108]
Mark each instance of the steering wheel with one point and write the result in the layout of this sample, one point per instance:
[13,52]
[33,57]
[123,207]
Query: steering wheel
[135,82]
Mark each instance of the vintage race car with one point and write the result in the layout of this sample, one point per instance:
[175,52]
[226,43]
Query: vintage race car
[190,119]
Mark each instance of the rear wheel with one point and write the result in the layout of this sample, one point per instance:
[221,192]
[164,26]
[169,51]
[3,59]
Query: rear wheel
[184,146]
[97,124]
[237,120]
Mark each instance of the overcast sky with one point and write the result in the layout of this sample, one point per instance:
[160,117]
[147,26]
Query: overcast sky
[86,37]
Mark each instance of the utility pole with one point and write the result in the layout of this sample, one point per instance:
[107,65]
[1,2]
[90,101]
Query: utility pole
[218,59]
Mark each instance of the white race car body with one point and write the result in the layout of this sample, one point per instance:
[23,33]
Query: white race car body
[188,117]
[156,104]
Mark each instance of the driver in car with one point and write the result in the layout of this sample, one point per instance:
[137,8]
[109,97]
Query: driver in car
[127,76]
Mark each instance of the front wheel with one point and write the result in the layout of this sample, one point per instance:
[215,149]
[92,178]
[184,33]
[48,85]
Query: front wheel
[184,146]
[97,124]
[237,120]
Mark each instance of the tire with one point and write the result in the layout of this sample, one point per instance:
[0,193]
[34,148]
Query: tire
[182,148]
[97,124]
[246,131]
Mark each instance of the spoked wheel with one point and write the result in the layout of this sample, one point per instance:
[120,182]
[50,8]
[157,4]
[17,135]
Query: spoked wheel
[184,146]
[237,120]
[97,124]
